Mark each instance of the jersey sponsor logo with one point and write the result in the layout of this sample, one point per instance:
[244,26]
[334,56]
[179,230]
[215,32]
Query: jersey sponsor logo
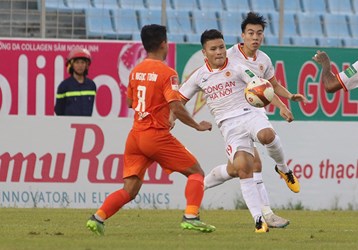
[249,73]
[227,73]
[220,90]
[351,71]
[174,81]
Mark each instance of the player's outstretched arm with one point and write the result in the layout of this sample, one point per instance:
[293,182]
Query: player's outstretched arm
[183,115]
[330,81]
[284,111]
[283,92]
[298,98]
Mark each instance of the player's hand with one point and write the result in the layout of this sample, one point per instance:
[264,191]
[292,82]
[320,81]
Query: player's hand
[298,98]
[204,125]
[286,114]
[321,57]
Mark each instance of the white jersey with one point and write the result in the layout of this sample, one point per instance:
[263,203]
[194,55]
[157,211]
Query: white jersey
[349,77]
[223,89]
[260,64]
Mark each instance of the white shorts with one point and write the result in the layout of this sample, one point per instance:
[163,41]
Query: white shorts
[240,132]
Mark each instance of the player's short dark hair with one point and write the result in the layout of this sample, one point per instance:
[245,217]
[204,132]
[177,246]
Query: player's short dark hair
[253,18]
[208,35]
[152,36]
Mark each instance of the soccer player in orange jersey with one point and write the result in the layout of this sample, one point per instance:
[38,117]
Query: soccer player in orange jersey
[153,93]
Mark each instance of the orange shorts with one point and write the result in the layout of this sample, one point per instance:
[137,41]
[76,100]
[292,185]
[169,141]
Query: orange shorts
[153,145]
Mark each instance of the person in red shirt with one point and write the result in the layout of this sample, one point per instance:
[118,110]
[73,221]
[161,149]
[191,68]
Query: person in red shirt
[153,94]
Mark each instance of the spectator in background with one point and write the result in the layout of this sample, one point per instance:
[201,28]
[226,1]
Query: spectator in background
[347,79]
[76,94]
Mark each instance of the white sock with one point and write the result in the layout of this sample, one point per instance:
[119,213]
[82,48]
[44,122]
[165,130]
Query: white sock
[98,218]
[217,176]
[265,203]
[275,151]
[190,216]
[251,197]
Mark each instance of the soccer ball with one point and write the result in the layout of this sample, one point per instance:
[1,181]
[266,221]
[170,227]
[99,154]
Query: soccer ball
[259,93]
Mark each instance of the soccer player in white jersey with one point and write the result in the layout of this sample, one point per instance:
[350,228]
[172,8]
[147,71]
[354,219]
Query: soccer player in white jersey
[223,84]
[346,79]
[248,54]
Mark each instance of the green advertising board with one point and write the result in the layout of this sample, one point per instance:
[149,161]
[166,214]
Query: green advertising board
[295,70]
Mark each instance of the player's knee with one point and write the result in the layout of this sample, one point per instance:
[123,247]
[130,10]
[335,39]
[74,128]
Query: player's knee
[266,136]
[195,169]
[257,166]
[132,193]
[132,185]
[245,173]
[232,171]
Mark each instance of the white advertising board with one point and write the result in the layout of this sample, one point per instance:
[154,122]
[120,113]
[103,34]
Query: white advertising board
[76,162]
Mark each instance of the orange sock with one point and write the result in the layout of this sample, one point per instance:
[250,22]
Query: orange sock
[113,203]
[194,192]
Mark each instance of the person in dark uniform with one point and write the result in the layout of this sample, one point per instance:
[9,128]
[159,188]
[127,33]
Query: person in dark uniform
[76,94]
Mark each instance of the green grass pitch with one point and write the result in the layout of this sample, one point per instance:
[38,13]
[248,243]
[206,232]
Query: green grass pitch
[52,229]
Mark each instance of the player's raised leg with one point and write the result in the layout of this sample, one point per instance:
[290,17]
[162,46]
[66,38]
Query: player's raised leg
[217,176]
[272,142]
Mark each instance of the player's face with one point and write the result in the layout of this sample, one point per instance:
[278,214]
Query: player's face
[79,66]
[215,52]
[253,36]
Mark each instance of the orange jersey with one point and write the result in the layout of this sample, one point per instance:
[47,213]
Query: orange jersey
[152,86]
